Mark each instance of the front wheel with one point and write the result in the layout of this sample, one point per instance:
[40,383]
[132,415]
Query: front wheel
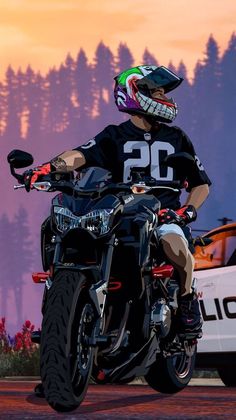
[66,354]
[171,374]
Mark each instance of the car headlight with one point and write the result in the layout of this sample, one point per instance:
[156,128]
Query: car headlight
[97,221]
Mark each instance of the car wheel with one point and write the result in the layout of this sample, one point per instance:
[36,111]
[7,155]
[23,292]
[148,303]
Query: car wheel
[228,375]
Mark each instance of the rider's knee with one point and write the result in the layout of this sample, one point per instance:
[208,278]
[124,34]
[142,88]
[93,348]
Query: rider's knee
[174,241]
[176,249]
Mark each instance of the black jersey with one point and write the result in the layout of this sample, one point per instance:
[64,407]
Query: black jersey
[118,148]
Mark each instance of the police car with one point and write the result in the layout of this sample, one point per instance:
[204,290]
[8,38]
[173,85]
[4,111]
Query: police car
[215,270]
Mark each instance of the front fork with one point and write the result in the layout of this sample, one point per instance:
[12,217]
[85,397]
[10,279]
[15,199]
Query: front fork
[98,291]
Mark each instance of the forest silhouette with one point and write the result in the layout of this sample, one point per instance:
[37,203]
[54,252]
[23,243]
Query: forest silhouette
[46,115]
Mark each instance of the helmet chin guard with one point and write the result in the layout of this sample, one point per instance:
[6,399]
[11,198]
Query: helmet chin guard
[132,92]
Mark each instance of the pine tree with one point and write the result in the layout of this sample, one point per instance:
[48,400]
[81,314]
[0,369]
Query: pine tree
[125,58]
[3,109]
[54,112]
[228,85]
[183,97]
[172,67]
[225,147]
[6,265]
[85,95]
[103,74]
[22,256]
[149,58]
[206,106]
[35,104]
[13,118]
[67,92]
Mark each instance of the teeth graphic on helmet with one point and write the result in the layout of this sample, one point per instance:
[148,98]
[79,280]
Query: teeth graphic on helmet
[151,109]
[154,107]
[144,101]
[146,105]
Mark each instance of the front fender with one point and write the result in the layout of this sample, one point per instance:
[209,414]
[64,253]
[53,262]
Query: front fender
[92,273]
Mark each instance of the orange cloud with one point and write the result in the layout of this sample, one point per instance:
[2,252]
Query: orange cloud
[43,32]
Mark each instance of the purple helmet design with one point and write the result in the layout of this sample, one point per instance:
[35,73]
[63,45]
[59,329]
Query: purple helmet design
[133,87]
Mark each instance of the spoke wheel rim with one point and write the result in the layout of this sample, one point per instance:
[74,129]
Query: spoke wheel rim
[83,351]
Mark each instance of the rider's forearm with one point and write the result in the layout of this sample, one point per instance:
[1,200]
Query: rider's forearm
[68,161]
[197,196]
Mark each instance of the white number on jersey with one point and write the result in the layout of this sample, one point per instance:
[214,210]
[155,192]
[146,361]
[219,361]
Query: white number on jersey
[148,155]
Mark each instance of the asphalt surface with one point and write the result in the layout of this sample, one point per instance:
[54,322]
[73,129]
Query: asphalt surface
[203,399]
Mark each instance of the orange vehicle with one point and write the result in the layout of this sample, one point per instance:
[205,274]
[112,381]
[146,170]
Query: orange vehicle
[221,252]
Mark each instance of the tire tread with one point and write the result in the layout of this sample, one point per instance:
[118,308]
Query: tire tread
[54,361]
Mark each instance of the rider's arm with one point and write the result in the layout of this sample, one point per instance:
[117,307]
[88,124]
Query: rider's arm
[197,179]
[197,186]
[68,161]
[187,213]
[96,152]
[197,196]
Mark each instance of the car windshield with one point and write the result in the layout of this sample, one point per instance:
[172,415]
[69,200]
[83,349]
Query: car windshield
[220,253]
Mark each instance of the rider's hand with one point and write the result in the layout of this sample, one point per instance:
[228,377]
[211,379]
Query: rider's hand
[32,175]
[182,216]
[187,213]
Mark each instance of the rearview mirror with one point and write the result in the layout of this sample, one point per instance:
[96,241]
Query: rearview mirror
[19,159]
[180,161]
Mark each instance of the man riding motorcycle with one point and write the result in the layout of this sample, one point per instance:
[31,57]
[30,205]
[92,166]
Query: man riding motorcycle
[143,142]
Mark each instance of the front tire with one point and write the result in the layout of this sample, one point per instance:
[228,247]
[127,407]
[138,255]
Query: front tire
[172,374]
[66,355]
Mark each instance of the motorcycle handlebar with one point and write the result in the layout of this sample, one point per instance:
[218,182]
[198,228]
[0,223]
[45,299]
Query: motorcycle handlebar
[69,187]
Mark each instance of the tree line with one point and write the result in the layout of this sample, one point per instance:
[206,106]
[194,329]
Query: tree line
[17,257]
[70,104]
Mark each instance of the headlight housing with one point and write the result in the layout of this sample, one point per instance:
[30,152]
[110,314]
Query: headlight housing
[97,221]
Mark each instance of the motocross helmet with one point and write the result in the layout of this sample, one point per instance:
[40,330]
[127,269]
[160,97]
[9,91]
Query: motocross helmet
[133,92]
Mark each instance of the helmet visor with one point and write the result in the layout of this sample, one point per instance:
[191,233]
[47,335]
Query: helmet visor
[161,77]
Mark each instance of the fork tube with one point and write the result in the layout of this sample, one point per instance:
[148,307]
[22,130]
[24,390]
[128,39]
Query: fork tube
[101,287]
[107,259]
[57,252]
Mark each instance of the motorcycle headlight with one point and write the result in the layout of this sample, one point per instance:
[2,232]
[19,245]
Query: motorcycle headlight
[65,219]
[97,221]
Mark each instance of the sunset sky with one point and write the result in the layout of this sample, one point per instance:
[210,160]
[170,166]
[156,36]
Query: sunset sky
[42,32]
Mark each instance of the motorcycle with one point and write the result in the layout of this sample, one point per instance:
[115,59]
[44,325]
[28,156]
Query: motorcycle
[110,299]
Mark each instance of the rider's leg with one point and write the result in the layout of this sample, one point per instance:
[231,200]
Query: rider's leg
[176,249]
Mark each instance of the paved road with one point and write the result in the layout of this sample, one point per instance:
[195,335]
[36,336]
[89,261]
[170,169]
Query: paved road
[124,402]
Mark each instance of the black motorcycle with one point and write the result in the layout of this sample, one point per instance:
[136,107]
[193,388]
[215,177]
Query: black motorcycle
[110,299]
